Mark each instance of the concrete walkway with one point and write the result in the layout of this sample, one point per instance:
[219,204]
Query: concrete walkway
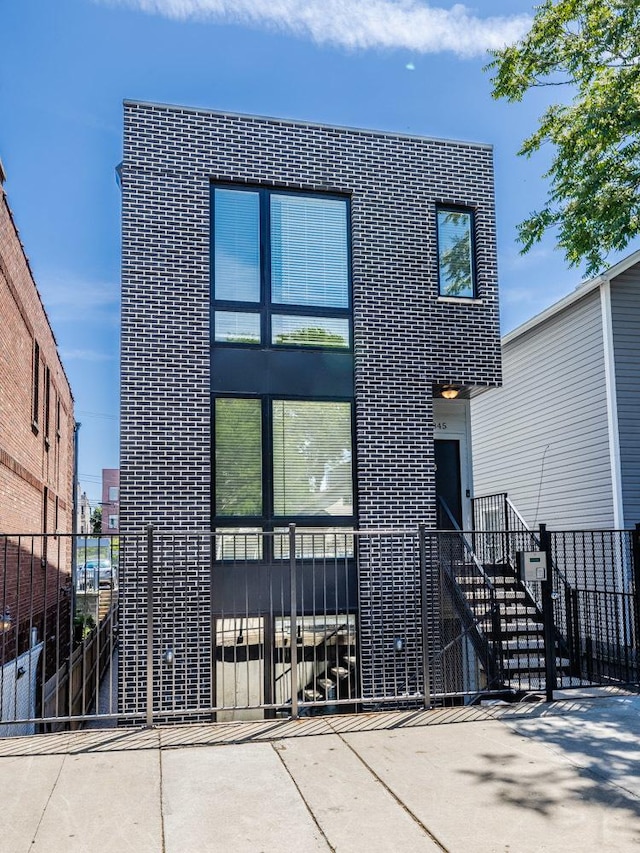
[517,779]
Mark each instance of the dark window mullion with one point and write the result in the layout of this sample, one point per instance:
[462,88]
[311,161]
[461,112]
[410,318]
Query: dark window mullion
[240,307]
[212,263]
[267,475]
[265,266]
[309,310]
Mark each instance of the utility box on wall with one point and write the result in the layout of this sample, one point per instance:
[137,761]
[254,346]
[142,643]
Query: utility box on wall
[532,565]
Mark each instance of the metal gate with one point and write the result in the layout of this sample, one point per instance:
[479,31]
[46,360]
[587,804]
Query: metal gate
[577,628]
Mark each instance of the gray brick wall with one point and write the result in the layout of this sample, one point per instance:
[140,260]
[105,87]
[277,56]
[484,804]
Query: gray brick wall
[405,337]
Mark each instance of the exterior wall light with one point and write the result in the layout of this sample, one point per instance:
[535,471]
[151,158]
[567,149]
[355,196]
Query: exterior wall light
[450,392]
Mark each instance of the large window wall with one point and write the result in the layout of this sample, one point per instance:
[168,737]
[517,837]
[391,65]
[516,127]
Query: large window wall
[280,283]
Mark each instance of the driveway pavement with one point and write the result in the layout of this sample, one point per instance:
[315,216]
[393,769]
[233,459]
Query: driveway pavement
[515,779]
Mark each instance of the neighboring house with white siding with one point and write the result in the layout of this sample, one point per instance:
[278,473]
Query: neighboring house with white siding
[562,435]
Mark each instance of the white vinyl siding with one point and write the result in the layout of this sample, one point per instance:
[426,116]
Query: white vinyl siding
[543,437]
[625,314]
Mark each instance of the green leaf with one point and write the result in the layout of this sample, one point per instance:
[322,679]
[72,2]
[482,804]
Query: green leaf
[593,48]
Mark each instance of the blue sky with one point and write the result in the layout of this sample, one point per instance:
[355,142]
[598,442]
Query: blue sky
[66,66]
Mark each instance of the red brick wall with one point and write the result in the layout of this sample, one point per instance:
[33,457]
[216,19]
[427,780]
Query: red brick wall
[30,460]
[110,477]
[36,456]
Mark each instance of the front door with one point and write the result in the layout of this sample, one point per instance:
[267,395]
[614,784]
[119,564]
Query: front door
[448,483]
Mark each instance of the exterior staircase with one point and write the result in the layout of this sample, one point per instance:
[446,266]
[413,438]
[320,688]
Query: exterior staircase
[334,678]
[501,615]
[505,624]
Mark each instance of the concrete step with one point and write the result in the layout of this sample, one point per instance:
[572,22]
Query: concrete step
[524,643]
[340,671]
[526,663]
[538,682]
[312,695]
[518,610]
[477,581]
[516,626]
[327,685]
[478,593]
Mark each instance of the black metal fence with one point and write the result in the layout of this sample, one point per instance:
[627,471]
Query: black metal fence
[177,626]
[595,608]
[58,627]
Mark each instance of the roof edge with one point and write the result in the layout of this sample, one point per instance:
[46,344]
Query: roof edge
[486,146]
[581,290]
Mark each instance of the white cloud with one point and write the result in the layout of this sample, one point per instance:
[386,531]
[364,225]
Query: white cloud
[84,355]
[355,24]
[67,298]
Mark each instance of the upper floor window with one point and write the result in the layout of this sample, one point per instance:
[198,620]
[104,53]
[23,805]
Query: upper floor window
[35,395]
[456,261]
[280,268]
[114,493]
[47,405]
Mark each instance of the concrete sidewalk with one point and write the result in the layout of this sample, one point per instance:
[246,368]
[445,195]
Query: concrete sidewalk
[532,777]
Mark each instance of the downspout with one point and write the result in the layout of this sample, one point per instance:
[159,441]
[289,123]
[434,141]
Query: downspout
[612,403]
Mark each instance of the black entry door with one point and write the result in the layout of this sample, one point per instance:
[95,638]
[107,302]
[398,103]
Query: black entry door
[448,484]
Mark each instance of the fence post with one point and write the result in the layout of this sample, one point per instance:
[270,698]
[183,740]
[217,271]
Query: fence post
[573,629]
[507,536]
[294,621]
[495,673]
[551,678]
[150,627]
[426,670]
[635,535]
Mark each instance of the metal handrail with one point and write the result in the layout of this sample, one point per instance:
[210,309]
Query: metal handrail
[466,543]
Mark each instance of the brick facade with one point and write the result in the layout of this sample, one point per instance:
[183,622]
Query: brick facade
[110,500]
[406,338]
[36,444]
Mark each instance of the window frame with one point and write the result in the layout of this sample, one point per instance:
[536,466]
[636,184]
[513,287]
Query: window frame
[229,519]
[35,392]
[268,520]
[444,207]
[47,407]
[265,308]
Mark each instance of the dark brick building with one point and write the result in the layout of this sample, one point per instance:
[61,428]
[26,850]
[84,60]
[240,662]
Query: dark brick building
[277,273]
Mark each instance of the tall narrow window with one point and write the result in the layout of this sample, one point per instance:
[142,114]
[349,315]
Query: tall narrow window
[237,245]
[47,405]
[238,454]
[35,402]
[456,268]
